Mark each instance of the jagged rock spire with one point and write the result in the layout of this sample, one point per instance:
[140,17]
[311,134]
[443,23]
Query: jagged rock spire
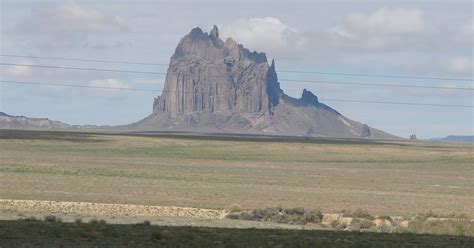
[365,131]
[214,32]
[308,98]
[214,36]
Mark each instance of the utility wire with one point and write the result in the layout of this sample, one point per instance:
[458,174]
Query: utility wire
[283,71]
[378,75]
[78,86]
[381,85]
[151,90]
[283,80]
[82,68]
[83,60]
[399,103]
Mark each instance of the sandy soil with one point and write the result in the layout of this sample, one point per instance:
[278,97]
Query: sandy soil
[103,209]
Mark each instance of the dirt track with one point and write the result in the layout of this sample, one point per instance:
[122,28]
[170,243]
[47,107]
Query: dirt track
[103,209]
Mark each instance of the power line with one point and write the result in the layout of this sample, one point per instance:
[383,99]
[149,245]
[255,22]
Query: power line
[83,60]
[377,75]
[283,71]
[381,85]
[399,103]
[78,86]
[83,68]
[283,80]
[151,90]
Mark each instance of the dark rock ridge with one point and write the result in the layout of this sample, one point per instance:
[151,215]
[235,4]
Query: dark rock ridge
[22,122]
[457,138]
[212,85]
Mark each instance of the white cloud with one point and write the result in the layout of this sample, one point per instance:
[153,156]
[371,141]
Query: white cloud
[268,34]
[17,71]
[388,21]
[110,82]
[467,33]
[107,83]
[149,81]
[468,28]
[69,26]
[66,19]
[462,66]
[382,30]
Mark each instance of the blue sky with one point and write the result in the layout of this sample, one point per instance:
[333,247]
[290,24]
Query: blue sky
[418,38]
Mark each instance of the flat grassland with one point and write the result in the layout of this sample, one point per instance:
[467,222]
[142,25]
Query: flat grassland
[390,178]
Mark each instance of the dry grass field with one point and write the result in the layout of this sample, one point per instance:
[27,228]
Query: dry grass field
[56,234]
[398,178]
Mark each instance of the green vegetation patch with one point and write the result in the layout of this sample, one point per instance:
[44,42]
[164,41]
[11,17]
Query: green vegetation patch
[300,216]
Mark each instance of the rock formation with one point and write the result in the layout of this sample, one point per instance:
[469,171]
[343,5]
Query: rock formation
[22,122]
[212,85]
[365,131]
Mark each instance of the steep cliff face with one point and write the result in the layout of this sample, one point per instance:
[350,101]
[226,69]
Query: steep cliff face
[208,77]
[216,85]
